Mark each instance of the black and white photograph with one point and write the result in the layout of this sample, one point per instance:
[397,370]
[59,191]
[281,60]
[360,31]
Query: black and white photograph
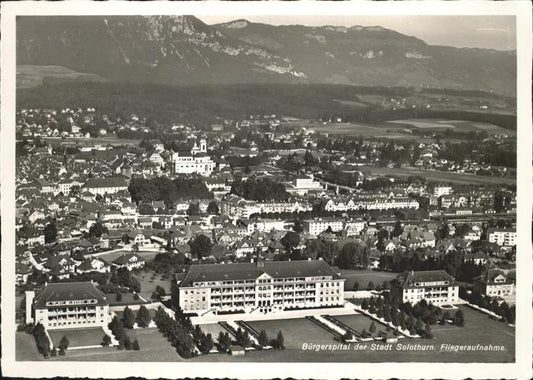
[217,185]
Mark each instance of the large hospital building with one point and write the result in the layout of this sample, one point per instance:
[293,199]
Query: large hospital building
[259,287]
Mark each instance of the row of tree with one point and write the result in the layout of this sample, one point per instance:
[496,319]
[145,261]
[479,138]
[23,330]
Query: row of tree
[502,308]
[178,335]
[117,327]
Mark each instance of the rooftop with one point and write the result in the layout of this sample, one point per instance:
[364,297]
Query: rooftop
[251,271]
[69,291]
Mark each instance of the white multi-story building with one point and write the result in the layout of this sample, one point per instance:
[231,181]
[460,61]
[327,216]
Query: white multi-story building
[110,185]
[374,202]
[502,236]
[65,186]
[266,225]
[70,305]
[261,287]
[442,190]
[156,158]
[494,283]
[303,184]
[434,286]
[189,164]
[318,225]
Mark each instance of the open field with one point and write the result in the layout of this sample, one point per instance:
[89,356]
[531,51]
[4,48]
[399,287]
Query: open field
[153,348]
[456,125]
[353,129]
[33,75]
[25,347]
[478,329]
[214,329]
[295,331]
[127,299]
[78,337]
[363,277]
[441,176]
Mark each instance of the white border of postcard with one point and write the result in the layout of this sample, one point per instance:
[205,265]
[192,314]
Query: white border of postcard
[520,369]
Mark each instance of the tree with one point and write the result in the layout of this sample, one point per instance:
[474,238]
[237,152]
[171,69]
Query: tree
[418,325]
[135,345]
[201,246]
[127,342]
[212,208]
[351,256]
[128,318]
[160,291]
[53,352]
[372,328]
[50,232]
[63,343]
[106,341]
[143,317]
[97,229]
[224,342]
[290,241]
[263,338]
[206,343]
[459,318]
[428,332]
[193,210]
[356,286]
[398,229]
[370,285]
[242,338]
[298,226]
[118,296]
[280,341]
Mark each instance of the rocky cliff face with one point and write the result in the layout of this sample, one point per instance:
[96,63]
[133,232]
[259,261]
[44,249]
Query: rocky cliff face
[184,50]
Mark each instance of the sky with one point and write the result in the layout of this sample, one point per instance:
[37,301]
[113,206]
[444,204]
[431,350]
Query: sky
[489,32]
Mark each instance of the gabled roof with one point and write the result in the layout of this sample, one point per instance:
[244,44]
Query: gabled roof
[411,278]
[126,259]
[251,271]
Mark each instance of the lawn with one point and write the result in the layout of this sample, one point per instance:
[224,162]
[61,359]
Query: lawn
[364,276]
[154,348]
[109,257]
[359,322]
[214,329]
[78,337]
[148,284]
[295,331]
[127,299]
[25,347]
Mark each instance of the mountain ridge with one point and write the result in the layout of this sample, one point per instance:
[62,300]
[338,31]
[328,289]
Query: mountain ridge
[185,50]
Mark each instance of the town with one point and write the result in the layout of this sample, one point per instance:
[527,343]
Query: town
[247,238]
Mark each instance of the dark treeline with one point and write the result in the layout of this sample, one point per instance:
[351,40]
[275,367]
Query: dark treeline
[260,190]
[202,104]
[378,115]
[167,190]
